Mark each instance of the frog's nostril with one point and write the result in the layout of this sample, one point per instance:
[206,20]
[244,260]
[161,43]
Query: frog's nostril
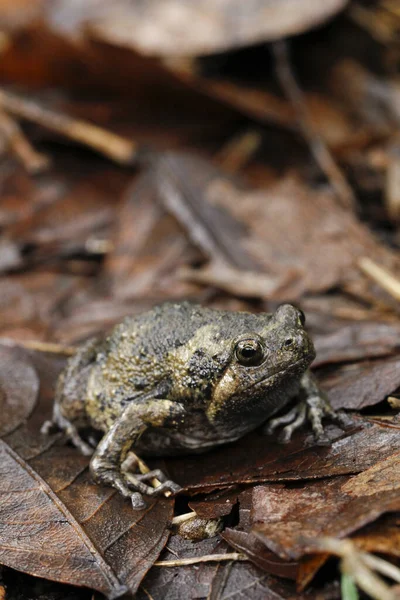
[288,342]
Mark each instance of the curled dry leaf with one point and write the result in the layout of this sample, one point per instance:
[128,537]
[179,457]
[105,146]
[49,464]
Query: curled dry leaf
[19,386]
[171,27]
[249,544]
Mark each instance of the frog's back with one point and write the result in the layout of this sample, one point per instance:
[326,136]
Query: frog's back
[135,358]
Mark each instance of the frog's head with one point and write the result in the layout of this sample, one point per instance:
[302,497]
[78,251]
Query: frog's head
[263,366]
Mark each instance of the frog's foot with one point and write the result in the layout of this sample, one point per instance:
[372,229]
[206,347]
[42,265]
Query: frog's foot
[137,481]
[314,409]
[61,423]
[131,485]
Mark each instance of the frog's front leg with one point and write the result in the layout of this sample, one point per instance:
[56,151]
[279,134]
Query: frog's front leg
[313,406]
[112,450]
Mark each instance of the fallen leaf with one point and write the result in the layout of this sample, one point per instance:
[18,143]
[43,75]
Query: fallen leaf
[257,458]
[19,387]
[356,341]
[172,28]
[359,385]
[41,537]
[288,519]
[213,580]
[58,524]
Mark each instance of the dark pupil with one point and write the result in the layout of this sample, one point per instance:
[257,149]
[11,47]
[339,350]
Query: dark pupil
[248,351]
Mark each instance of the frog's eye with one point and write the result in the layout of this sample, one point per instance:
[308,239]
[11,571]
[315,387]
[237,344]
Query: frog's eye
[302,317]
[249,352]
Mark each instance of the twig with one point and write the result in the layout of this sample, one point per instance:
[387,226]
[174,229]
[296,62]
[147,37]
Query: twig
[181,562]
[360,565]
[150,597]
[381,276]
[238,151]
[40,346]
[317,145]
[34,162]
[115,147]
[183,518]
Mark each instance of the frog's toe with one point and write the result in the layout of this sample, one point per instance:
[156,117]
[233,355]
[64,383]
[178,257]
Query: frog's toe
[137,501]
[300,418]
[344,420]
[284,419]
[154,474]
[136,483]
[48,427]
[166,486]
[318,407]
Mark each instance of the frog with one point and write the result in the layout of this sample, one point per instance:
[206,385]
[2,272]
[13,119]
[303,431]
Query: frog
[183,378]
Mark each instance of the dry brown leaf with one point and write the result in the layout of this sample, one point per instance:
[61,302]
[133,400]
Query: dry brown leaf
[355,340]
[19,387]
[59,525]
[362,384]
[288,520]
[257,458]
[170,27]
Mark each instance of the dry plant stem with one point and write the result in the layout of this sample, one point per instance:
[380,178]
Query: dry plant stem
[381,276]
[40,346]
[113,146]
[33,161]
[182,518]
[181,562]
[234,155]
[318,147]
[360,565]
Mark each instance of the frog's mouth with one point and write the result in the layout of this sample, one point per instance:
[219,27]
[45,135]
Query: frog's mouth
[271,376]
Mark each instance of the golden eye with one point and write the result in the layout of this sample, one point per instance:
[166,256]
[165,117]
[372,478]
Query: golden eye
[249,352]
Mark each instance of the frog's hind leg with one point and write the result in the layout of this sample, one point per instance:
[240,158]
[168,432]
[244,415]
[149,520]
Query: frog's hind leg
[70,430]
[69,408]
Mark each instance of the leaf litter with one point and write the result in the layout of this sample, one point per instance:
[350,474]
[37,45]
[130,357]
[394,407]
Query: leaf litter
[88,241]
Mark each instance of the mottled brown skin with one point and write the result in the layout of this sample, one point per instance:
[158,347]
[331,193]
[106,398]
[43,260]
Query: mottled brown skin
[183,378]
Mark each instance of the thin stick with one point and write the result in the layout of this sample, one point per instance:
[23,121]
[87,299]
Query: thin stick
[381,276]
[34,162]
[360,566]
[113,146]
[317,145]
[181,562]
[182,518]
[237,152]
[40,346]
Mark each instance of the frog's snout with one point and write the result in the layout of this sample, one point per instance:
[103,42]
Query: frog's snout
[298,343]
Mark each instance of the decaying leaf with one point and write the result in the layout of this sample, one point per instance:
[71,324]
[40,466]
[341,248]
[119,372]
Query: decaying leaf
[257,458]
[173,28]
[288,519]
[57,524]
[363,384]
[19,387]
[222,581]
[40,536]
[271,231]
[356,341]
